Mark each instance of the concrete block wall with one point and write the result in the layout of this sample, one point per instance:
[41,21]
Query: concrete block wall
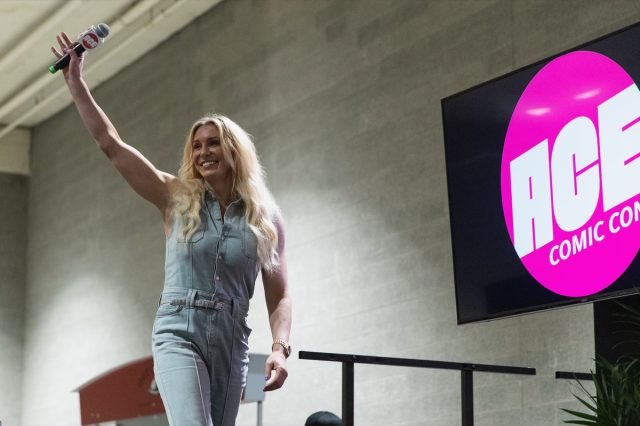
[343,99]
[13,242]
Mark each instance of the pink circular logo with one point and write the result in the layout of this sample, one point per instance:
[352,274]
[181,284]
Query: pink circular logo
[570,174]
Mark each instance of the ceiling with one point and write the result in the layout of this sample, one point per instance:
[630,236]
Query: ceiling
[29,94]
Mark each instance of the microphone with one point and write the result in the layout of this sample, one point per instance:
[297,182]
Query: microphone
[90,39]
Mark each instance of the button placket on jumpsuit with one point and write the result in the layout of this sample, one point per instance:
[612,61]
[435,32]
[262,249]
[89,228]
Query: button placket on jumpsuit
[201,355]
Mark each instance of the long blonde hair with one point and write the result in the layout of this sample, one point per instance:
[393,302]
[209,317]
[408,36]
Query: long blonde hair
[247,182]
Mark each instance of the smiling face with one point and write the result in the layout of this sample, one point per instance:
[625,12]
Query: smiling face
[207,156]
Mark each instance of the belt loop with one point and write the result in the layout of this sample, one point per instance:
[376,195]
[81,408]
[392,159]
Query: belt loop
[192,298]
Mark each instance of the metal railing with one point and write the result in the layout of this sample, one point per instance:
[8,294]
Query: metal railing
[466,370]
[573,375]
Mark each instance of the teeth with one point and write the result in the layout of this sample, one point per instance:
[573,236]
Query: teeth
[208,163]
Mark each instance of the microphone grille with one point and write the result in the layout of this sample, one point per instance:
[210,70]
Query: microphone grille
[102,30]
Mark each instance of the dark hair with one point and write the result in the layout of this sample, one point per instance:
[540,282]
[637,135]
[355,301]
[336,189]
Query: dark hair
[323,418]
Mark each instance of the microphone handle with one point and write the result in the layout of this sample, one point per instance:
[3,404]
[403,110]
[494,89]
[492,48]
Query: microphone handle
[64,61]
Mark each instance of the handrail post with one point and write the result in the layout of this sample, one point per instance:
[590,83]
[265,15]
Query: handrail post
[467,397]
[347,394]
[259,413]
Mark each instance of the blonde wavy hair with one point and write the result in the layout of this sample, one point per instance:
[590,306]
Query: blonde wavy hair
[248,183]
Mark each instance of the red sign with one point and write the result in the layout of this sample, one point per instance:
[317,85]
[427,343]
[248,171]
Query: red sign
[90,40]
[125,392]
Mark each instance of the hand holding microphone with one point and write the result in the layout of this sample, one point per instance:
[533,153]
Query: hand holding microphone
[90,39]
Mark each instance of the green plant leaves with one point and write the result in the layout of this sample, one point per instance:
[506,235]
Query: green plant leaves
[616,401]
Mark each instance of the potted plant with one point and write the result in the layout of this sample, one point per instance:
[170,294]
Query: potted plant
[616,401]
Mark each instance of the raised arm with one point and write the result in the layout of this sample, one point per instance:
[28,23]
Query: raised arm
[149,182]
[278,300]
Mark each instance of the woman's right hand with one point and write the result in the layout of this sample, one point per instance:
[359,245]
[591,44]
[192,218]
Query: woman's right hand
[72,72]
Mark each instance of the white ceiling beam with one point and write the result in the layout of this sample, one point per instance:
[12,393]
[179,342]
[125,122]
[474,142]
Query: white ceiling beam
[38,32]
[101,69]
[132,15]
[32,89]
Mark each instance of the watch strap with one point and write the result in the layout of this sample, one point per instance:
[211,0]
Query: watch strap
[285,345]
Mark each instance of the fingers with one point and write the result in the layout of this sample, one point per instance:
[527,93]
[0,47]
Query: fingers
[56,53]
[66,39]
[275,372]
[62,44]
[269,383]
[267,369]
[277,379]
[65,45]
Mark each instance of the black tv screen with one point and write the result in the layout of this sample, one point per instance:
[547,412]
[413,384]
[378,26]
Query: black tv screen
[543,174]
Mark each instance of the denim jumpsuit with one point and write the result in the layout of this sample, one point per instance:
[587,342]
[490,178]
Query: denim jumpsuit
[200,334]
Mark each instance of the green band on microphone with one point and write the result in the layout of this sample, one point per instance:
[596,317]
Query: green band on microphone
[52,69]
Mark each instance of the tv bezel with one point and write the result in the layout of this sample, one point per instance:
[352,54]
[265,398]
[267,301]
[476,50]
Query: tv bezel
[604,294]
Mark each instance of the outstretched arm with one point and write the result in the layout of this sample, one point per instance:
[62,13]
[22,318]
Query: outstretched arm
[279,307]
[149,182]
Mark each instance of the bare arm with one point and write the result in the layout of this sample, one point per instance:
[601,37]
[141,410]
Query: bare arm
[149,182]
[279,307]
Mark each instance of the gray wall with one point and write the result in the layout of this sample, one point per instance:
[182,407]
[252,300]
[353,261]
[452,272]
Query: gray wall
[343,98]
[13,243]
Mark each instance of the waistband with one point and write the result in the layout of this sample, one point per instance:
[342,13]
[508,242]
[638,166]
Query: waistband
[193,298]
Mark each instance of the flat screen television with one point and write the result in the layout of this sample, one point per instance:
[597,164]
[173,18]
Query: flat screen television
[543,175]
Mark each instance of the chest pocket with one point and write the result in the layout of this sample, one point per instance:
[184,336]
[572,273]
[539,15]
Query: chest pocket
[249,242]
[195,237]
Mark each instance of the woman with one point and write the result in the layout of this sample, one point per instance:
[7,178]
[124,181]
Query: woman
[222,228]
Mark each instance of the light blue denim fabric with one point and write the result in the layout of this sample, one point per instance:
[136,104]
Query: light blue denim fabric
[200,335]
